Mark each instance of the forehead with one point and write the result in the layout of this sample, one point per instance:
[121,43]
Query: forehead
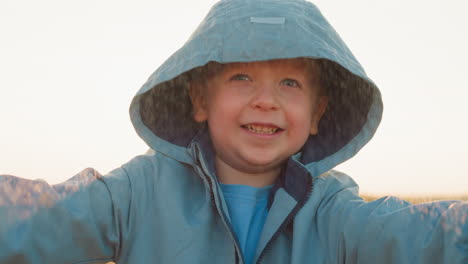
[299,66]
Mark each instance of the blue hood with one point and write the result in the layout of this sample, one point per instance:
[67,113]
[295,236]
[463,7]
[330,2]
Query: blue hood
[256,30]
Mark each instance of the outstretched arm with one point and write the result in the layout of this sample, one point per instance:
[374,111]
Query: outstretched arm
[78,221]
[390,230]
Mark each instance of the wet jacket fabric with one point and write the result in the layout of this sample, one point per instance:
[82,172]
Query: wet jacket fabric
[166,206]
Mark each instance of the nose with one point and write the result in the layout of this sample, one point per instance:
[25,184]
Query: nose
[265,98]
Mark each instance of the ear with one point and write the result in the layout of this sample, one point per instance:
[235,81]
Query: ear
[319,110]
[200,113]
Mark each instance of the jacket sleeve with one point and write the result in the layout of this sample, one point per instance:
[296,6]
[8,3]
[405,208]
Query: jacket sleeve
[390,230]
[79,221]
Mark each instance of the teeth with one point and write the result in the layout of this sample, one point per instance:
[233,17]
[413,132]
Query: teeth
[261,130]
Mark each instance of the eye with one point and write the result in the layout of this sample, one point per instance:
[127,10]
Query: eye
[290,83]
[240,77]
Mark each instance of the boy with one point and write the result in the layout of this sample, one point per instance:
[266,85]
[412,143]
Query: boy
[246,123]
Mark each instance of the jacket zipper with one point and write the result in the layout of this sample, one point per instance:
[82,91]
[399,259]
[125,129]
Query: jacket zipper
[236,246]
[220,211]
[285,223]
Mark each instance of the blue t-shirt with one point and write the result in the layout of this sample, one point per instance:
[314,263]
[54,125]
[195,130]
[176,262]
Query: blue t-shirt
[247,208]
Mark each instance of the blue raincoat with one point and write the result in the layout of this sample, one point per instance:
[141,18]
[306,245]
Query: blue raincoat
[166,206]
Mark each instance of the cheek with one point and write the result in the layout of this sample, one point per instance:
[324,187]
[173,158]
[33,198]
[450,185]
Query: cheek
[223,112]
[301,104]
[300,117]
[225,100]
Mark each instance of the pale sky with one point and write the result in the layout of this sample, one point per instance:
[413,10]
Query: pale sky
[68,71]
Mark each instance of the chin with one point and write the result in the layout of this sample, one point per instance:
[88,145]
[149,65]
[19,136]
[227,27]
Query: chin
[261,166]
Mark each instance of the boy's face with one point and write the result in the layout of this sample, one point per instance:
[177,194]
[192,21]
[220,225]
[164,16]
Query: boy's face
[260,113]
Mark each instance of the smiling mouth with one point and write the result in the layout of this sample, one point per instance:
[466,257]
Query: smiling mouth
[267,130]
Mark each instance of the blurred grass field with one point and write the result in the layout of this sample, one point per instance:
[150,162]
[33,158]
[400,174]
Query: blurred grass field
[420,198]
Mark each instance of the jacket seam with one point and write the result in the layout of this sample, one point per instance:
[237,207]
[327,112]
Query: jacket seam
[93,261]
[118,248]
[130,208]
